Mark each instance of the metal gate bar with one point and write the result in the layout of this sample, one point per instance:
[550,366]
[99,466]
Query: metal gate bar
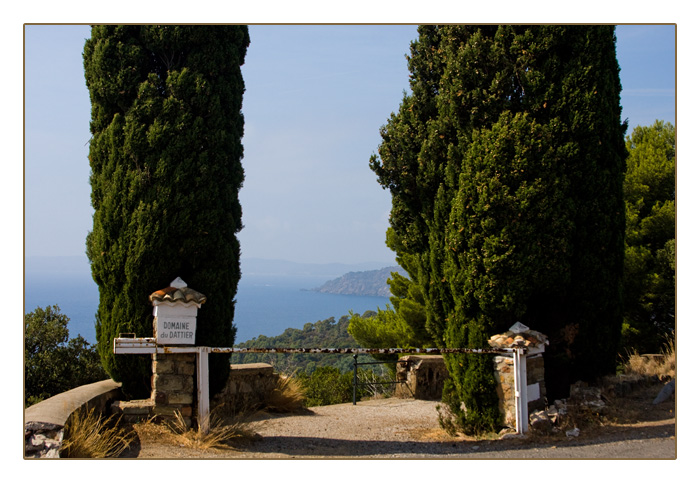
[147,345]
[354,376]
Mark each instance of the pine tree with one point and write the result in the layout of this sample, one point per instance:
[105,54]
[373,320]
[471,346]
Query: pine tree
[650,240]
[166,168]
[402,324]
[505,164]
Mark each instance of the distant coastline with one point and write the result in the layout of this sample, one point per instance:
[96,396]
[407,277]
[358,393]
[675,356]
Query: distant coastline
[269,298]
[369,283]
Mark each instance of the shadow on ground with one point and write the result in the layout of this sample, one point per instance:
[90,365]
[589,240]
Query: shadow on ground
[310,447]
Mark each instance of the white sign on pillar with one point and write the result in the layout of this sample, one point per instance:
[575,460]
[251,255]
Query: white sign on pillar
[175,324]
[175,311]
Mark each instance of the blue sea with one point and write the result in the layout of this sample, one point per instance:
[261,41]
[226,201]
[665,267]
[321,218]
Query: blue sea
[266,304]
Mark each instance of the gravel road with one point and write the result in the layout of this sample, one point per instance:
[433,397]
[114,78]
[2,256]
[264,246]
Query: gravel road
[408,429]
[402,428]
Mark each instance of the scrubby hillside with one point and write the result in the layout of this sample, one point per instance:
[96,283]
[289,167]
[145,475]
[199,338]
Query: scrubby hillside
[324,333]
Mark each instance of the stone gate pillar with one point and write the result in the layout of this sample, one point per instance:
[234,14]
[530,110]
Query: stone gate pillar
[174,324]
[519,335]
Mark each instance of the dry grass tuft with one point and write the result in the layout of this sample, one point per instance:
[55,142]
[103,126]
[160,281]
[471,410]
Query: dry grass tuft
[222,433]
[151,431]
[661,365]
[89,435]
[288,396]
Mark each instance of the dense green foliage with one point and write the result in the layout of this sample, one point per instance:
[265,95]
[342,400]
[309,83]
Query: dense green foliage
[505,164]
[650,251]
[166,168]
[52,363]
[324,333]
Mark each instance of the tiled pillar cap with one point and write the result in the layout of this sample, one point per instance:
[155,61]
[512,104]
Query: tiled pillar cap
[178,291]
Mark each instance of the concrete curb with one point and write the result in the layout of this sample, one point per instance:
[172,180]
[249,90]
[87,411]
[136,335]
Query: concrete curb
[44,421]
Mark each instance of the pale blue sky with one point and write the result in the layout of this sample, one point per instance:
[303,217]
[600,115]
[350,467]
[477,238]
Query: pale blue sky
[315,99]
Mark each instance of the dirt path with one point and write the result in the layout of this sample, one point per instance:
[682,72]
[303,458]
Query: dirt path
[400,428]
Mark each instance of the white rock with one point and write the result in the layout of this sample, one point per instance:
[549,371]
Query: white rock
[519,328]
[178,283]
[665,392]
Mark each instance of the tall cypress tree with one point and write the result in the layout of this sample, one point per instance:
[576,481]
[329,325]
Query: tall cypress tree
[166,167]
[505,165]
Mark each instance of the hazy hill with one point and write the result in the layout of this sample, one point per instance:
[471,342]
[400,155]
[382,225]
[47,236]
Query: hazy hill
[368,283]
[311,274]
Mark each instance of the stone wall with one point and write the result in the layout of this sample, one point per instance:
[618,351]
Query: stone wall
[421,377]
[248,387]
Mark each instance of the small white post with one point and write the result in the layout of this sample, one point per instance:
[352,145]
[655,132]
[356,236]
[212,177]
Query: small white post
[203,388]
[520,381]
